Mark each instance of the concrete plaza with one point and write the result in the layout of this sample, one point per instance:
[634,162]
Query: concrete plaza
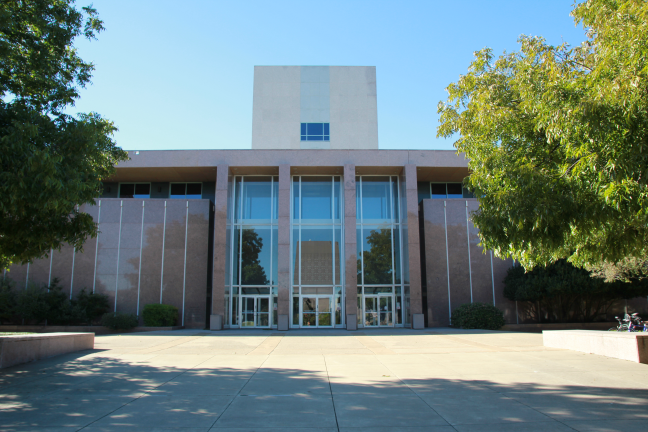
[325,380]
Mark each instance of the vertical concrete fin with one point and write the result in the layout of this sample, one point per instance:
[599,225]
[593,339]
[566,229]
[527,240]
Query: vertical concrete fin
[350,254]
[220,243]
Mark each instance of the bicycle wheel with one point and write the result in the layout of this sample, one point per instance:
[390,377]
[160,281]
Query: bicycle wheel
[613,329]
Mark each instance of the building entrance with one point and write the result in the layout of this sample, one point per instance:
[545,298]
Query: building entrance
[378,311]
[255,311]
[317,311]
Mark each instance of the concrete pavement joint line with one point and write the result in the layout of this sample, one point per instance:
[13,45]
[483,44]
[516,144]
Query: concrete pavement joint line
[145,393]
[166,345]
[472,343]
[239,392]
[370,344]
[267,346]
[417,395]
[328,378]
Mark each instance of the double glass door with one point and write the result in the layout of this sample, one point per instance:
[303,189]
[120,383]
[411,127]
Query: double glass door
[317,311]
[255,311]
[378,311]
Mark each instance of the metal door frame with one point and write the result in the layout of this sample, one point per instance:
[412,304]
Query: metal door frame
[377,296]
[331,298]
[256,298]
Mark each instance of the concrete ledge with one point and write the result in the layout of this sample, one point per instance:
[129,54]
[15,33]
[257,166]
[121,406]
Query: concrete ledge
[27,348]
[98,330]
[621,345]
[538,328]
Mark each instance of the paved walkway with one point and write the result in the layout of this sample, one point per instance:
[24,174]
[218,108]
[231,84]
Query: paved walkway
[331,380]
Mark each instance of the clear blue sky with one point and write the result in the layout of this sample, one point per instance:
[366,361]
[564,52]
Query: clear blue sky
[178,75]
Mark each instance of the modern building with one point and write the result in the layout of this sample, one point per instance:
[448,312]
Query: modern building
[314,227]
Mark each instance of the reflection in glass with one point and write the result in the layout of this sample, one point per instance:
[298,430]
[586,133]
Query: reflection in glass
[385,311]
[275,256]
[255,256]
[316,197]
[316,255]
[337,245]
[336,197]
[371,311]
[397,257]
[359,253]
[294,261]
[257,198]
[275,194]
[295,190]
[358,206]
[296,310]
[377,255]
[376,198]
[395,200]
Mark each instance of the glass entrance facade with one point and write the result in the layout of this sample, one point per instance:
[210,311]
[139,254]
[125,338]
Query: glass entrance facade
[316,261]
[379,249]
[251,292]
[316,253]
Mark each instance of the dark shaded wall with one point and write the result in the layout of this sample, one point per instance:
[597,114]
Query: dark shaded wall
[457,271]
[147,251]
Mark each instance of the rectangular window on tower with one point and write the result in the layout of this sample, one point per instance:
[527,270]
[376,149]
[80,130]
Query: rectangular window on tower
[315,132]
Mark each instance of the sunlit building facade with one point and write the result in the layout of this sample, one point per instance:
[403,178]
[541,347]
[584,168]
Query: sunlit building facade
[313,228]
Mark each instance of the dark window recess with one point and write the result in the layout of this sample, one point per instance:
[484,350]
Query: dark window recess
[315,132]
[135,190]
[454,190]
[438,190]
[186,190]
[467,193]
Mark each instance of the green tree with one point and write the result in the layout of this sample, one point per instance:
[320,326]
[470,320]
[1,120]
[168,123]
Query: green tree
[252,272]
[378,259]
[557,141]
[564,293]
[50,162]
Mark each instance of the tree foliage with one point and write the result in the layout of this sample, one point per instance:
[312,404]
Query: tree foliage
[378,259]
[565,293]
[252,272]
[37,304]
[557,141]
[50,162]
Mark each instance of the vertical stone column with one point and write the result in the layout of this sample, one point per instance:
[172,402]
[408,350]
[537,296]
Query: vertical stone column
[220,242]
[283,306]
[351,265]
[413,246]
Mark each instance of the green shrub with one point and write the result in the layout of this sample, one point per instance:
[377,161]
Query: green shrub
[160,315]
[561,292]
[38,304]
[91,306]
[119,321]
[7,300]
[478,316]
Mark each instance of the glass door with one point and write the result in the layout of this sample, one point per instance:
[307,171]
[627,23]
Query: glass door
[371,311]
[317,311]
[386,311]
[378,311]
[255,311]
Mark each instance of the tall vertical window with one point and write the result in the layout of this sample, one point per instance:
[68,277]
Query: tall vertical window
[252,276]
[379,246]
[317,271]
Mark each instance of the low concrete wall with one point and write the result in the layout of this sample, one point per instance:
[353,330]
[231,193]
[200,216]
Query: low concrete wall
[26,348]
[539,328]
[99,330]
[621,345]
